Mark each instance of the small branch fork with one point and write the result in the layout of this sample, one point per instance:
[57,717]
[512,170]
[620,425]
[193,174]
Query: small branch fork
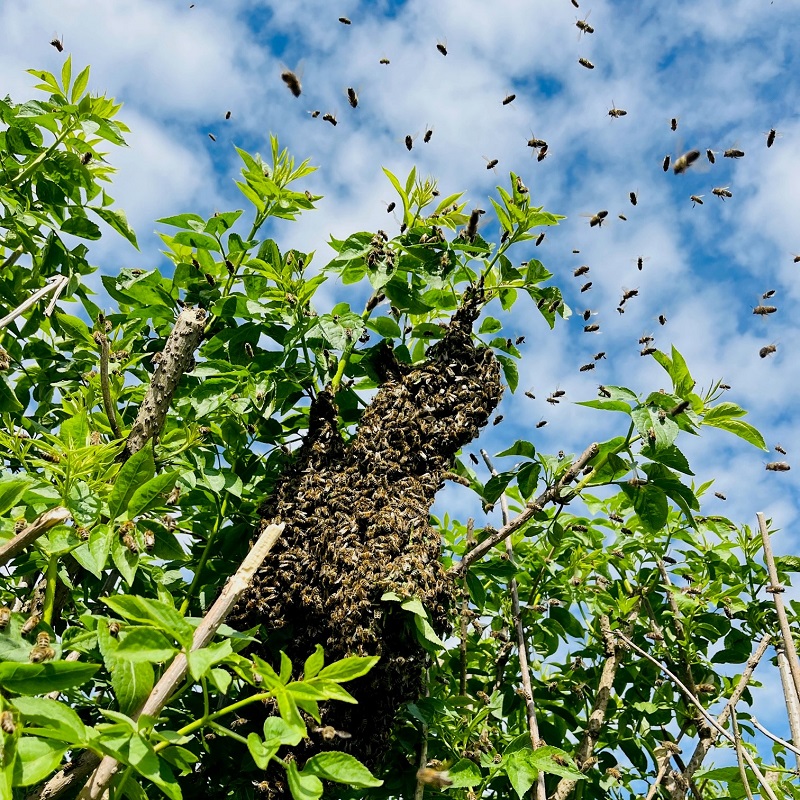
[553,493]
[42,524]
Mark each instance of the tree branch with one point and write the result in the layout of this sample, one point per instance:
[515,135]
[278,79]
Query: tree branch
[174,361]
[42,524]
[108,403]
[552,493]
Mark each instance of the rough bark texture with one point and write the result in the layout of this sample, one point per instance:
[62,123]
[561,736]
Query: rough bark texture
[357,525]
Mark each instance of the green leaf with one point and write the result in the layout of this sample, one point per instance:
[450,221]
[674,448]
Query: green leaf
[669,457]
[132,682]
[79,87]
[81,227]
[490,325]
[146,644]
[8,400]
[76,329]
[277,732]
[201,661]
[348,669]
[44,678]
[528,478]
[607,405]
[521,772]
[314,663]
[510,371]
[55,716]
[542,758]
[11,490]
[36,759]
[118,221]
[724,416]
[135,472]
[200,241]
[465,774]
[147,611]
[143,498]
[650,503]
[303,787]
[261,752]
[66,75]
[183,221]
[342,768]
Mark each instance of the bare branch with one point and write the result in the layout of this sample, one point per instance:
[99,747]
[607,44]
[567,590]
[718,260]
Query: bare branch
[55,285]
[737,738]
[174,361]
[790,696]
[770,735]
[553,493]
[42,524]
[105,387]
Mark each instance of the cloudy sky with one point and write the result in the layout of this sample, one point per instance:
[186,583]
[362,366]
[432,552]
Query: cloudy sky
[727,70]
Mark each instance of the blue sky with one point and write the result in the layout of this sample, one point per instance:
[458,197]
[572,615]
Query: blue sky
[726,69]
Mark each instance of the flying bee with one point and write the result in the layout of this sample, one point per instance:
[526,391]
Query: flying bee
[575,252]
[627,294]
[711,157]
[597,219]
[384,61]
[598,356]
[212,137]
[427,137]
[559,393]
[665,165]
[439,779]
[764,310]
[473,458]
[536,143]
[662,319]
[583,26]
[771,134]
[778,466]
[673,124]
[344,21]
[796,259]
[519,340]
[602,391]
[509,98]
[330,118]
[57,43]
[5,617]
[586,367]
[768,350]
[616,113]
[523,189]
[554,401]
[539,239]
[633,198]
[409,141]
[390,207]
[593,328]
[685,161]
[586,286]
[722,192]
[622,217]
[647,351]
[587,314]
[442,47]
[7,724]
[542,155]
[647,338]
[329,733]
[314,114]
[497,420]
[352,97]
[575,3]
[87,157]
[491,163]
[720,495]
[541,423]
[584,62]
[697,199]
[149,540]
[292,81]
[582,270]
[733,153]
[530,395]
[227,115]
[30,623]
[780,449]
[640,262]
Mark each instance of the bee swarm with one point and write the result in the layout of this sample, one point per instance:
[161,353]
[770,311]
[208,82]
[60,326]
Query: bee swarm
[357,525]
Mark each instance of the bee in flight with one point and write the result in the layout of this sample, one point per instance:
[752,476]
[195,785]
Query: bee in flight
[722,192]
[615,112]
[292,81]
[685,161]
[584,62]
[697,199]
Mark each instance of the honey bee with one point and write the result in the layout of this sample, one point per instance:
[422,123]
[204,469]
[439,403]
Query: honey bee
[292,81]
[536,143]
[584,62]
[771,134]
[697,199]
[539,239]
[622,217]
[679,409]
[640,262]
[227,115]
[733,153]
[559,393]
[7,723]
[490,163]
[722,192]
[330,118]
[560,760]
[344,21]
[647,351]
[39,654]
[384,61]
[768,350]
[509,98]
[314,114]
[409,140]
[390,207]
[685,161]
[598,356]
[5,617]
[427,137]
[130,543]
[614,773]
[586,286]
[212,137]
[627,294]
[596,220]
[764,310]
[711,157]
[554,401]
[541,423]
[352,97]
[768,294]
[603,391]
[616,113]
[57,43]
[796,259]
[149,540]
[720,495]
[582,270]
[673,124]
[543,151]
[86,158]
[523,189]
[665,165]
[593,328]
[442,47]
[439,779]
[329,733]
[778,466]
[583,26]
[586,367]
[43,639]
[113,629]
[662,319]
[575,3]
[780,449]
[529,394]
[472,225]
[30,623]
[633,198]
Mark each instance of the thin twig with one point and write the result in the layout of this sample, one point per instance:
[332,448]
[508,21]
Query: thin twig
[737,740]
[56,284]
[777,590]
[419,790]
[105,387]
[707,741]
[770,735]
[699,706]
[97,785]
[42,524]
[12,259]
[553,493]
[663,763]
[790,696]
[462,683]
[522,644]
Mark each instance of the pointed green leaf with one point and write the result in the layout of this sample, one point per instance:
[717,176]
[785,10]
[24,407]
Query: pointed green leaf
[342,768]
[36,759]
[118,221]
[135,472]
[348,669]
[303,787]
